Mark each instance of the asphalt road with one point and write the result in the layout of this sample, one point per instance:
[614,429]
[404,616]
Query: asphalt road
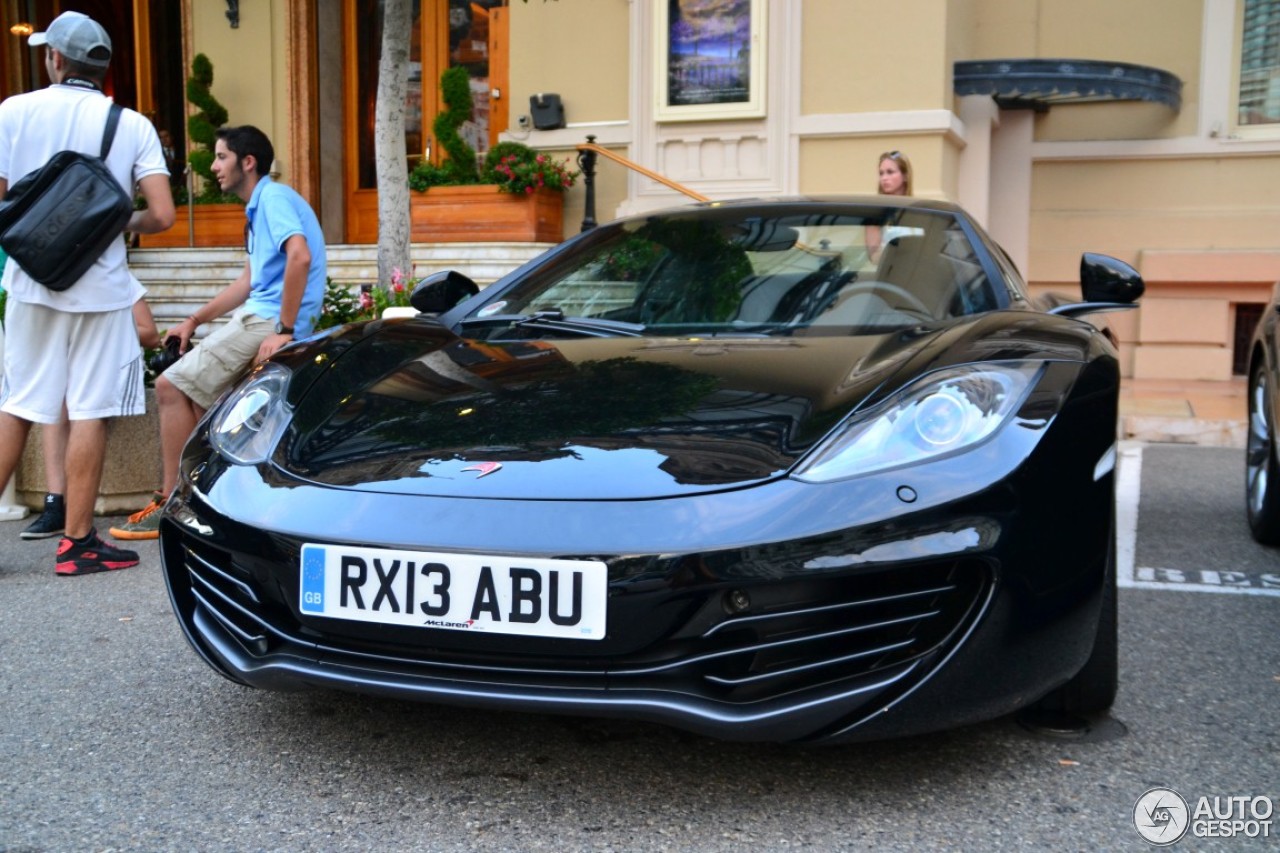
[114,736]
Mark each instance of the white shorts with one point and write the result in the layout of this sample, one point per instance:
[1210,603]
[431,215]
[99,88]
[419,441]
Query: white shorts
[90,360]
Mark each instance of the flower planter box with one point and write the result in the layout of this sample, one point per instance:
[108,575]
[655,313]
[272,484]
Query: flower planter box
[131,472]
[485,214]
[214,225]
[479,213]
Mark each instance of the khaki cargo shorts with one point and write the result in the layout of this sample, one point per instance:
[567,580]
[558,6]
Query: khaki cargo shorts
[219,360]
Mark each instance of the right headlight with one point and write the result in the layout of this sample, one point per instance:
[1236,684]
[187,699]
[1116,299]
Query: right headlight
[250,421]
[940,414]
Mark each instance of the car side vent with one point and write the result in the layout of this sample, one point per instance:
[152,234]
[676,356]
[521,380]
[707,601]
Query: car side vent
[872,627]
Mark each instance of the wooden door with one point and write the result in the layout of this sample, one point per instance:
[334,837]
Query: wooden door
[499,72]
[445,33]
[473,34]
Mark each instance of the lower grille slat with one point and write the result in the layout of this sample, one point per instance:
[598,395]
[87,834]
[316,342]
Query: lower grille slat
[814,611]
[773,645]
[243,636]
[208,567]
[752,679]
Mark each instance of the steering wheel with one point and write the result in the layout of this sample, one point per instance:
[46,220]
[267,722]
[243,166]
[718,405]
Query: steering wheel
[905,299]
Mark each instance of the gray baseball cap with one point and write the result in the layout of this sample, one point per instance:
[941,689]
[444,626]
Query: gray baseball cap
[77,37]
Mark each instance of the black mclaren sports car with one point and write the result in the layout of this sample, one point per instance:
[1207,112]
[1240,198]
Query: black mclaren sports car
[792,470]
[1262,463]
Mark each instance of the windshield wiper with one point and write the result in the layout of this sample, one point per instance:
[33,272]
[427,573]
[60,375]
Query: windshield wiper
[554,318]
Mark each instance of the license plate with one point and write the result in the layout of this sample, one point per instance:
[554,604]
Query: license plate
[458,592]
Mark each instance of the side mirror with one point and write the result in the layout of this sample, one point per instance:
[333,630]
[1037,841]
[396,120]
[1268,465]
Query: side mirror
[440,291]
[1107,279]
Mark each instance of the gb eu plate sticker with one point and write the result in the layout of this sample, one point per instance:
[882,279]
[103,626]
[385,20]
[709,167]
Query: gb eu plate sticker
[312,579]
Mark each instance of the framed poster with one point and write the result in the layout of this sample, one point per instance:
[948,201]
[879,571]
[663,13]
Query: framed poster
[710,59]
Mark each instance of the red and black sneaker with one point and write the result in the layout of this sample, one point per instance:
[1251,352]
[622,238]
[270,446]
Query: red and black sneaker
[91,557]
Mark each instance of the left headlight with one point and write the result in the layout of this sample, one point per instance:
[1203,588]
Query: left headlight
[941,414]
[249,422]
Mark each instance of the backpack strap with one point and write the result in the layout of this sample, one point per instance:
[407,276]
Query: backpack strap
[109,135]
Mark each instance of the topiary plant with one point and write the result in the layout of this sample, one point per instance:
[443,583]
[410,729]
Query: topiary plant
[455,90]
[202,126]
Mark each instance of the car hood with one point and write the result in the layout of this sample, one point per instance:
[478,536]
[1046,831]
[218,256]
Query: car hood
[409,407]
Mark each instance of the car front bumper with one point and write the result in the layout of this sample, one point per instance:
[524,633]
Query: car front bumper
[870,614]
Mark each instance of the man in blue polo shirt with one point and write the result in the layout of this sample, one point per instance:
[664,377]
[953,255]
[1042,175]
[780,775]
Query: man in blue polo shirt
[279,295]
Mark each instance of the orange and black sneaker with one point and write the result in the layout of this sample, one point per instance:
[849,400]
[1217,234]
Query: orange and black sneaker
[143,524]
[91,555]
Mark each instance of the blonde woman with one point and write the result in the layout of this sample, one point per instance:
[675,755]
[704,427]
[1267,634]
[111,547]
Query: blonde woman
[895,173]
[894,178]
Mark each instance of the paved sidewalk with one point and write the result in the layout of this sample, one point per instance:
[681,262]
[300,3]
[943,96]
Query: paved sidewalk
[1184,412]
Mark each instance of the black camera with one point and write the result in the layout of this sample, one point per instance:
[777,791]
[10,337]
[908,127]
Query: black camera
[163,359]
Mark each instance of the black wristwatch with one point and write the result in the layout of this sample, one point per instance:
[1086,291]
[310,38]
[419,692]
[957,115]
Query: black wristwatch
[282,329]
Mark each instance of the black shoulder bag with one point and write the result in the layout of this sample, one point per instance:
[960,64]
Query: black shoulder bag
[59,219]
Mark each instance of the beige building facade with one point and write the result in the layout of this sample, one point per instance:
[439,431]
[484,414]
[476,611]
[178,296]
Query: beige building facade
[1189,196]
[1185,189]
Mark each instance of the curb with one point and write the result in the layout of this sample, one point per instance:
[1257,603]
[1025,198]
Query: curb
[1202,431]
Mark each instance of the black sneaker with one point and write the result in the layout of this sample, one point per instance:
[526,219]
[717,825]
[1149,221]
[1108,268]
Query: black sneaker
[92,556]
[49,523]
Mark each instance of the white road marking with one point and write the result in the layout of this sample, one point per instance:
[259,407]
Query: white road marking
[1128,491]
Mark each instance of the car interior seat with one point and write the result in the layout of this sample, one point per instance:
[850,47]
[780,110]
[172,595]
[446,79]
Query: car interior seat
[917,264]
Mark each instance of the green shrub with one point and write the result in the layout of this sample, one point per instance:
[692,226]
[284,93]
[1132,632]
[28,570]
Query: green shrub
[460,162]
[340,306]
[202,127]
[495,155]
[517,168]
[426,175]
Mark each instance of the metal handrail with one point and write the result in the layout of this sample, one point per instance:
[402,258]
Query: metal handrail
[587,153]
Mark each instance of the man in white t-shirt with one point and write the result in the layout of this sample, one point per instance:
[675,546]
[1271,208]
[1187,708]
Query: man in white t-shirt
[78,345]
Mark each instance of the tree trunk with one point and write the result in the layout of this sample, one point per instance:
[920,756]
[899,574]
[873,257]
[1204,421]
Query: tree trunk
[391,162]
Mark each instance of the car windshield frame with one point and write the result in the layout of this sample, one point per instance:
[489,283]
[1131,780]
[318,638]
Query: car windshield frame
[762,270]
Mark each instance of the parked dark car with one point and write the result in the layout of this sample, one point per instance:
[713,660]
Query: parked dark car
[1262,470]
[798,470]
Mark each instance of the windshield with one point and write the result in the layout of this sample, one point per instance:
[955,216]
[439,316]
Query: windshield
[718,271]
